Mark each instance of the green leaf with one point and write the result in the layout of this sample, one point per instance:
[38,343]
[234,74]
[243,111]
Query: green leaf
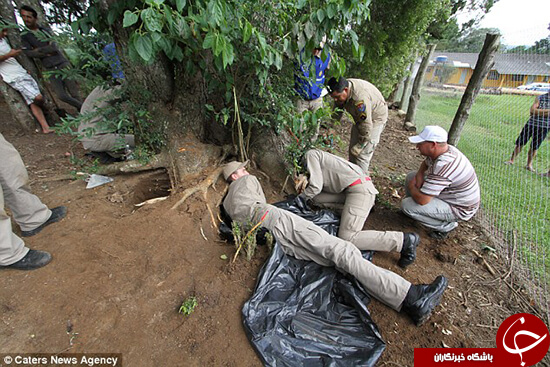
[152,20]
[278,61]
[247,31]
[156,37]
[178,53]
[182,28]
[209,41]
[223,257]
[309,30]
[261,40]
[320,15]
[219,44]
[130,19]
[228,55]
[144,47]
[331,10]
[180,4]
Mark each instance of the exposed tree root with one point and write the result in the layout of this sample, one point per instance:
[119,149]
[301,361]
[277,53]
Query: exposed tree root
[202,187]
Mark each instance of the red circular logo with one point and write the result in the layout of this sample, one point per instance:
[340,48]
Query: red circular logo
[524,338]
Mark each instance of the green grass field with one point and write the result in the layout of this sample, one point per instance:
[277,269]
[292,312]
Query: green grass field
[514,199]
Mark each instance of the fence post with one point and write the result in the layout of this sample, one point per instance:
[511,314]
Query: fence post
[484,64]
[415,94]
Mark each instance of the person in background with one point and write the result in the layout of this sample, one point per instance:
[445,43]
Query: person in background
[36,45]
[19,79]
[536,129]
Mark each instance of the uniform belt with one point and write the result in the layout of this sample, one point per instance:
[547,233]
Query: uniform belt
[358,181]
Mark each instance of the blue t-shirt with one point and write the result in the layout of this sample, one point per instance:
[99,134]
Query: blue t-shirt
[539,120]
[306,84]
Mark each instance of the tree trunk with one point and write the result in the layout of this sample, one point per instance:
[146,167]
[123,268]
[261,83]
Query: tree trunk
[415,94]
[484,63]
[405,96]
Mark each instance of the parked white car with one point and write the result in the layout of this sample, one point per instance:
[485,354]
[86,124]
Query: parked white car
[541,87]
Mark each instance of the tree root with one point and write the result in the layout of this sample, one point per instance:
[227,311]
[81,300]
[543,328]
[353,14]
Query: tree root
[202,187]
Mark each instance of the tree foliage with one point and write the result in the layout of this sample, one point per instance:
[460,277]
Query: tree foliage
[391,35]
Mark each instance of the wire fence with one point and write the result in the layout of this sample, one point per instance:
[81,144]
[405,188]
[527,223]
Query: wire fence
[515,207]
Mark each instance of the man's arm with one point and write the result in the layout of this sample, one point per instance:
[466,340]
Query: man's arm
[364,127]
[11,53]
[421,174]
[418,196]
[315,185]
[31,47]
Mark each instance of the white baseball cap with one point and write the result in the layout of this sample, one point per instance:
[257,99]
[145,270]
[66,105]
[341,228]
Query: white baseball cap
[430,133]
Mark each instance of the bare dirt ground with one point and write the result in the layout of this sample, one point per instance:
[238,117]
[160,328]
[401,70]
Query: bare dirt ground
[120,272]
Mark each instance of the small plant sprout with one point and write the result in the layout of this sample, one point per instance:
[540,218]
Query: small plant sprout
[188,306]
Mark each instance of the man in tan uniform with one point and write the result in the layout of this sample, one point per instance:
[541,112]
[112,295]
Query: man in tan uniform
[27,210]
[245,203]
[97,138]
[368,108]
[333,181]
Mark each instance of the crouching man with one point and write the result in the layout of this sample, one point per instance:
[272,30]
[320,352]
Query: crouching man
[445,189]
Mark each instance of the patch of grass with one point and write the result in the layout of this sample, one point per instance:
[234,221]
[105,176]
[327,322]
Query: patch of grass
[512,197]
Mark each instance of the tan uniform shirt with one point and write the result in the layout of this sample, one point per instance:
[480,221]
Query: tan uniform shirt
[366,105]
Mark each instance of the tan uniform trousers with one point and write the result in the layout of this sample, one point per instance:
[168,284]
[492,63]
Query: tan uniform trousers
[355,204]
[364,158]
[307,241]
[109,143]
[27,209]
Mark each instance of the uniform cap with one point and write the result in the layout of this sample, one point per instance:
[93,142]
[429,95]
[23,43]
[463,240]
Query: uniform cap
[231,167]
[430,133]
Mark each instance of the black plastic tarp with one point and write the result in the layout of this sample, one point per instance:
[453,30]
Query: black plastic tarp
[304,314]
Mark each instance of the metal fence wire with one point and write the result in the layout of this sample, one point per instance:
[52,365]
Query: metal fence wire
[515,207]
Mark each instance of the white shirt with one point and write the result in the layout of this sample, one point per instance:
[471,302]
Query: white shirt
[10,69]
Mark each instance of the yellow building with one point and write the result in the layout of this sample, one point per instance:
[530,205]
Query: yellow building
[509,70]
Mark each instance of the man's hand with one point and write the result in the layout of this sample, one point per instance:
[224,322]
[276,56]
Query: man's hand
[356,150]
[300,183]
[14,52]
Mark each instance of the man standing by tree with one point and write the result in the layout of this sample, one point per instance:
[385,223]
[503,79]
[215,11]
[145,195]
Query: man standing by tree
[309,80]
[49,54]
[19,79]
[537,128]
[369,110]
[445,189]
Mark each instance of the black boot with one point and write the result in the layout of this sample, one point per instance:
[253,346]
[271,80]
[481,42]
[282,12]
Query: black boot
[58,213]
[32,260]
[408,252]
[422,299]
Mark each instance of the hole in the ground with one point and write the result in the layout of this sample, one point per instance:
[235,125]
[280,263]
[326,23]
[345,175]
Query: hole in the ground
[153,185]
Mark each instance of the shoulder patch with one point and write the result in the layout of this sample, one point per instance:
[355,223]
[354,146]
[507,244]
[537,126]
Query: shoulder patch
[361,106]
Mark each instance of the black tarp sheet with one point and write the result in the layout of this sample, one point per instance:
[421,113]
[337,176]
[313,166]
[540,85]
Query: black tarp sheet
[304,314]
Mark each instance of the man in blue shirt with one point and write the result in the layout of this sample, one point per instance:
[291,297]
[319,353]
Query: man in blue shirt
[309,79]
[537,127]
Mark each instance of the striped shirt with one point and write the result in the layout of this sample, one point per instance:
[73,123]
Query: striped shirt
[452,178]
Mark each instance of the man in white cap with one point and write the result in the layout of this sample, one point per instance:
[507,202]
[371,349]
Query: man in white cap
[445,188]
[245,203]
